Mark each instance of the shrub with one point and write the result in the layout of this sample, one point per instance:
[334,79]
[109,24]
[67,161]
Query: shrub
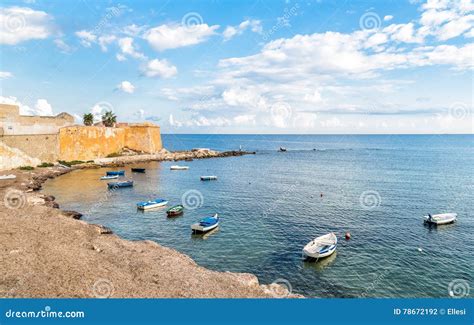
[70,163]
[26,168]
[45,164]
[113,155]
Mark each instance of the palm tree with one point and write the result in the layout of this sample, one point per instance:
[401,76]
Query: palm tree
[88,119]
[109,119]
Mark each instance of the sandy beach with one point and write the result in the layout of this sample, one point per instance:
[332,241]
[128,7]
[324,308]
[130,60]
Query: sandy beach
[47,252]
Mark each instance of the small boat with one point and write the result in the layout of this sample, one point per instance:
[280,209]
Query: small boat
[206,224]
[109,177]
[138,170]
[282,149]
[208,178]
[158,203]
[11,176]
[440,219]
[321,246]
[120,184]
[115,172]
[176,167]
[175,210]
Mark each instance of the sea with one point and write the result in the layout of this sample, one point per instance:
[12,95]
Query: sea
[377,188]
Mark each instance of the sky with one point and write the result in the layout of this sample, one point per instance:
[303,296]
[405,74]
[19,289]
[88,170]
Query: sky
[276,67]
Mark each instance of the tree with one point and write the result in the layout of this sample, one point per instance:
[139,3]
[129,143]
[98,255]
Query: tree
[88,119]
[109,119]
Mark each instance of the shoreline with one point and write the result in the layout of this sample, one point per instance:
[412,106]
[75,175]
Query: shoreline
[49,253]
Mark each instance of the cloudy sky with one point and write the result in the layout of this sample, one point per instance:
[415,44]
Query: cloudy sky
[217,66]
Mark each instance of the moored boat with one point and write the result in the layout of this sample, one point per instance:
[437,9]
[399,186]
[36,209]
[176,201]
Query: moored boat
[208,178]
[120,184]
[206,224]
[321,246]
[158,203]
[176,167]
[138,170]
[282,149]
[440,219]
[115,172]
[109,177]
[175,210]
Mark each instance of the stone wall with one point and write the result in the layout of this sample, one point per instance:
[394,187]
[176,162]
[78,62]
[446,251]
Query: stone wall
[92,142]
[13,158]
[12,123]
[45,147]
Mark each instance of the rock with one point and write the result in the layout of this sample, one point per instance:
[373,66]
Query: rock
[52,204]
[48,198]
[72,214]
[103,230]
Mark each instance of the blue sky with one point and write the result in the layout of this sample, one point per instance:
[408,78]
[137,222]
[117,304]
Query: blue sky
[245,66]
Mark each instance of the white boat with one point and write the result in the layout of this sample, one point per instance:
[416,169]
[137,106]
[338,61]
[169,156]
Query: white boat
[321,246]
[109,177]
[11,176]
[440,219]
[206,224]
[158,203]
[176,167]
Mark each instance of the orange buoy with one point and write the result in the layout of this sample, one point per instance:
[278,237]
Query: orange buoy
[348,235]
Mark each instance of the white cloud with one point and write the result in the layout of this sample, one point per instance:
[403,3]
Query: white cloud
[62,46]
[5,75]
[105,40]
[388,18]
[159,68]
[20,24]
[127,47]
[86,37]
[126,86]
[231,31]
[173,36]
[42,107]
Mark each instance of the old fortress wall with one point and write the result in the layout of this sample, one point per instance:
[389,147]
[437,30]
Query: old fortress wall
[29,140]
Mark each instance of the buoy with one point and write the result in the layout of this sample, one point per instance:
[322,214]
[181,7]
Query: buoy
[420,249]
[348,235]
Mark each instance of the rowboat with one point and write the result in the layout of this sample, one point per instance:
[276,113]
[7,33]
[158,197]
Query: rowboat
[152,204]
[109,177]
[115,172]
[321,246]
[176,167]
[282,149]
[175,210]
[206,224]
[440,219]
[120,184]
[138,170]
[208,178]
[11,176]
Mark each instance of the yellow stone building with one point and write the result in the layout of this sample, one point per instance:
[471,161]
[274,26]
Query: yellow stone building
[28,140]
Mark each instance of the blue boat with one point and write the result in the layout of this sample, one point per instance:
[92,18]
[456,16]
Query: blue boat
[115,172]
[206,224]
[152,204]
[120,184]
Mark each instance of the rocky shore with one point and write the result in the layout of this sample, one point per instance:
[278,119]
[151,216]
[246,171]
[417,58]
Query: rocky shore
[48,252]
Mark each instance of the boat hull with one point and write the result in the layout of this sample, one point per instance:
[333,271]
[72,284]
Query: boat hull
[198,228]
[138,170]
[105,178]
[441,219]
[115,172]
[119,184]
[327,253]
[208,178]
[152,206]
[321,247]
[179,168]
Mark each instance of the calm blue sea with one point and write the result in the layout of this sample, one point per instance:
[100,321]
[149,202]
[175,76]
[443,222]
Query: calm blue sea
[376,187]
